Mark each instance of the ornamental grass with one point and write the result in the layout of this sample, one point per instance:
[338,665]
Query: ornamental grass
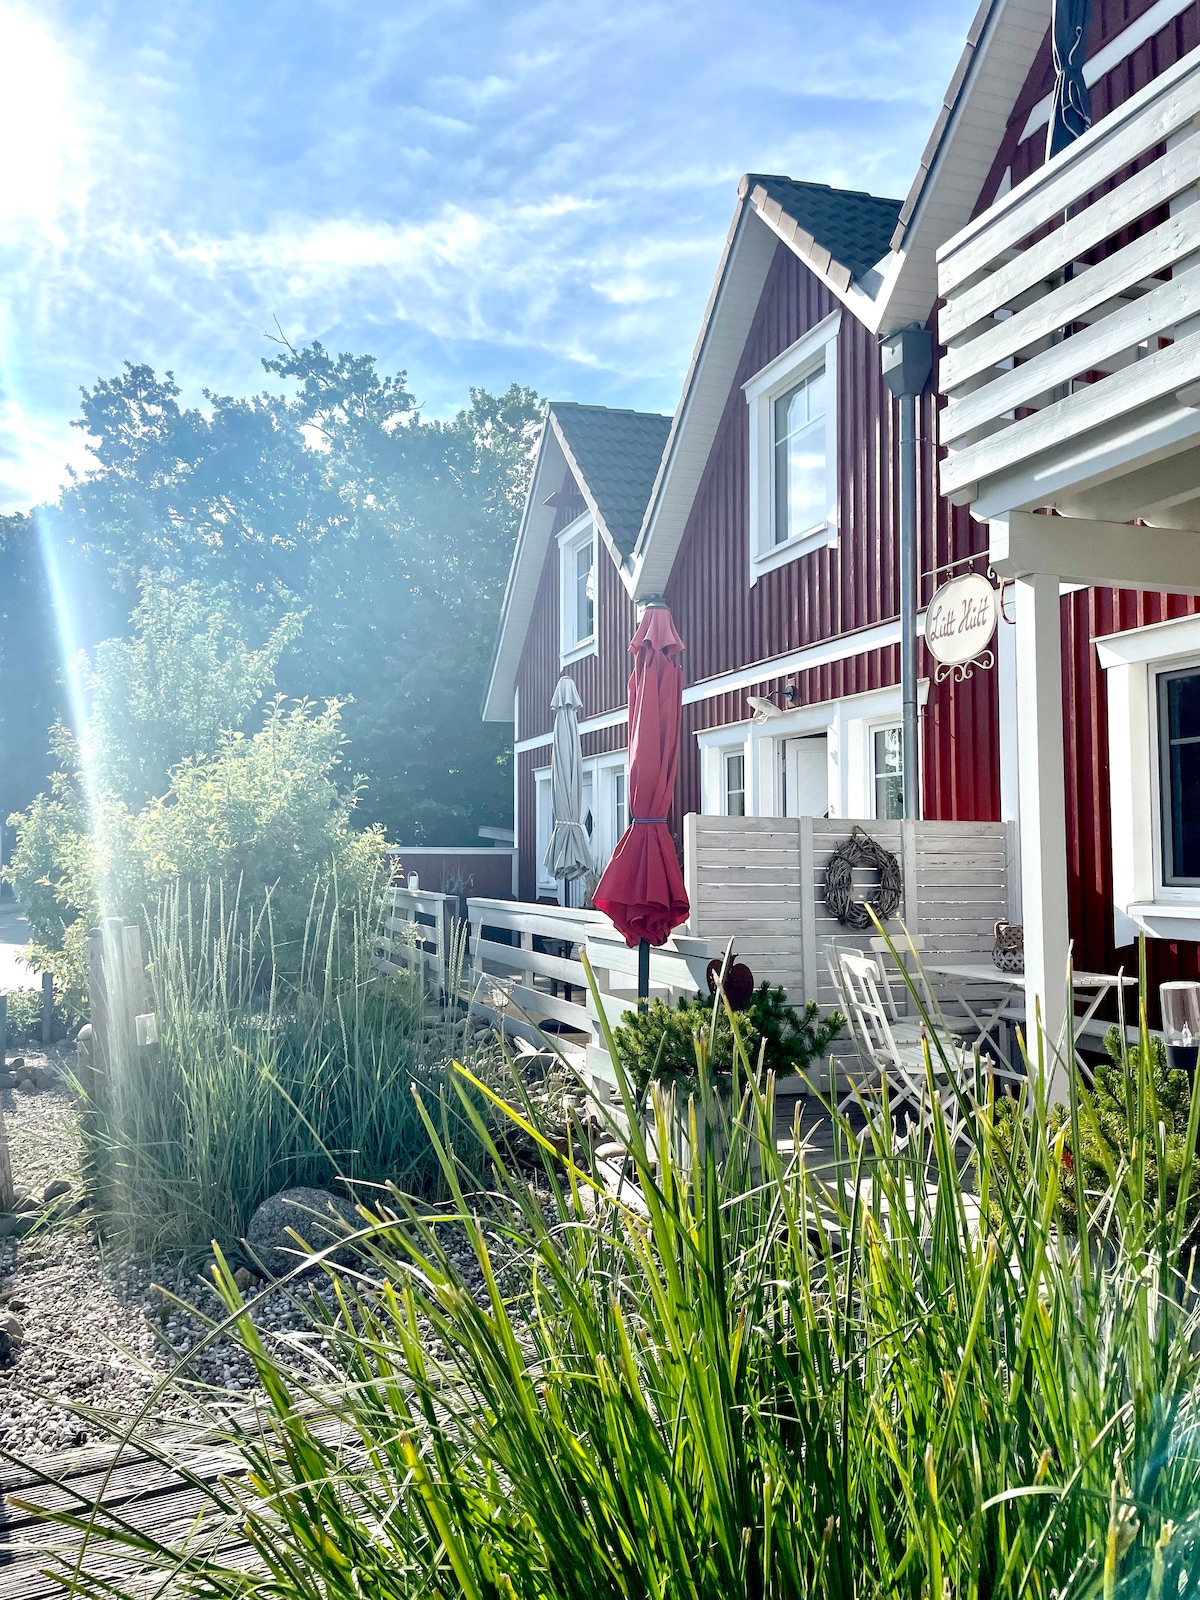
[886,1373]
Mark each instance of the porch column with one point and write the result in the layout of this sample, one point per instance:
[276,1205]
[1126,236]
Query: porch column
[1041,782]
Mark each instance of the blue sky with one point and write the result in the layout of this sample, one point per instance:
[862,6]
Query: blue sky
[475,192]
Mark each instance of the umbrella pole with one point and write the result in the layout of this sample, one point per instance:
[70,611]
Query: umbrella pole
[643,995]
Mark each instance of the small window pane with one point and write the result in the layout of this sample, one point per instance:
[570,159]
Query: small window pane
[889,774]
[620,805]
[799,432]
[1179,699]
[735,785]
[584,593]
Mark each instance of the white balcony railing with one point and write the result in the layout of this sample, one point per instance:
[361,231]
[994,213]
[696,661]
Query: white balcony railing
[1071,318]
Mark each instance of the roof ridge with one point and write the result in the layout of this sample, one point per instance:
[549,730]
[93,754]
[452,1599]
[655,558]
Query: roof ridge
[616,411]
[810,183]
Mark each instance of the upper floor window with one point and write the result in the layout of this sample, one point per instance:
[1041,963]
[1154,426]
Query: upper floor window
[801,498]
[577,589]
[793,451]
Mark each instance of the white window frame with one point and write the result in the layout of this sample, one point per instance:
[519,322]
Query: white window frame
[715,744]
[606,769]
[1132,662]
[878,725]
[576,536]
[816,349]
[543,819]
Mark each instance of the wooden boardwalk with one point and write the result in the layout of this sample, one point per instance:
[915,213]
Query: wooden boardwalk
[136,1486]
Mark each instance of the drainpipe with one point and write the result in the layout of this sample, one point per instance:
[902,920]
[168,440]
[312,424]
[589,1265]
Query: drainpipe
[907,358]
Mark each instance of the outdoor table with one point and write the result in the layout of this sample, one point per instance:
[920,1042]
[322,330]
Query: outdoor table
[991,1013]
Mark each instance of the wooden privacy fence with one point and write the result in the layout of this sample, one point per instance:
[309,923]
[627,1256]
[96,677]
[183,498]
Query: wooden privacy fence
[762,880]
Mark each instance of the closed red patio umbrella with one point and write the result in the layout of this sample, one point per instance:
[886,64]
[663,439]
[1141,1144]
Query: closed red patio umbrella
[642,887]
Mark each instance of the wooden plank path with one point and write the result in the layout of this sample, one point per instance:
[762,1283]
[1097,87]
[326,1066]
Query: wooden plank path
[148,1493]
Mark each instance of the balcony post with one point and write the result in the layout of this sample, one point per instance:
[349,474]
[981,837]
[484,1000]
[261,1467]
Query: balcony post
[1041,783]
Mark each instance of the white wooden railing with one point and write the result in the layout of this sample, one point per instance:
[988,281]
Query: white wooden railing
[417,935]
[1072,304]
[525,966]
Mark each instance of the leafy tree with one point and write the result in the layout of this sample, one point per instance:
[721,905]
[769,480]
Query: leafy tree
[165,785]
[392,532]
[29,691]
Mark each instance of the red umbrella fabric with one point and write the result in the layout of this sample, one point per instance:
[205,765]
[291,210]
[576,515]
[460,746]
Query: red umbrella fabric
[642,887]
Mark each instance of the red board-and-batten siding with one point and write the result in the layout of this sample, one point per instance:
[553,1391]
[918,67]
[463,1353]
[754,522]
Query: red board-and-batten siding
[727,624]
[1089,614]
[832,593]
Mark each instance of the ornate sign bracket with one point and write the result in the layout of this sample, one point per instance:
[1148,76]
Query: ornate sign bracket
[960,671]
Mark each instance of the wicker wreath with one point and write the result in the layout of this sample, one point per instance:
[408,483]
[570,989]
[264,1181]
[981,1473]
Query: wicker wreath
[860,850]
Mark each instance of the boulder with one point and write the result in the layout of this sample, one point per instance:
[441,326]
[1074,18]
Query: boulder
[24,1203]
[13,1330]
[244,1279]
[319,1217]
[55,1189]
[16,1227]
[27,1086]
[17,1066]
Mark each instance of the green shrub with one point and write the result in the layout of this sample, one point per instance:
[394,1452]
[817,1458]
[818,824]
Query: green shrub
[659,1043]
[1132,1131]
[261,1082]
[23,1015]
[184,775]
[777,1379]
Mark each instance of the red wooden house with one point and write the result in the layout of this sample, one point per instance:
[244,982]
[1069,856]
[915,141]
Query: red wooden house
[769,519]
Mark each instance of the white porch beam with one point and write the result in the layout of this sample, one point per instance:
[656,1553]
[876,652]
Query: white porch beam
[1098,554]
[1140,493]
[1042,789]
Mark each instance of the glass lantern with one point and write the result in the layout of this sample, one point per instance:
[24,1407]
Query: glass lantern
[1181,1023]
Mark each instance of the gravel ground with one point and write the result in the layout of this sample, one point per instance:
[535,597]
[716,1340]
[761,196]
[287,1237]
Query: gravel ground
[100,1333]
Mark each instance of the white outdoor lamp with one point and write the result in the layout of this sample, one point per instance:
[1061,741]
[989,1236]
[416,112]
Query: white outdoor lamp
[1181,1023]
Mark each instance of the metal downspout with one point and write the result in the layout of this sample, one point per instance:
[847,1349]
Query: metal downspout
[907,360]
[910,740]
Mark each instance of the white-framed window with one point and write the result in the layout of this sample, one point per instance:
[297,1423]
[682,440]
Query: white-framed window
[544,824]
[733,782]
[1178,695]
[577,589]
[793,451]
[1153,677]
[887,771]
[727,776]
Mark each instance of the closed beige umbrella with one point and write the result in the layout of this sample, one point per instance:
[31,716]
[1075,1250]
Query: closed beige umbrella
[568,854]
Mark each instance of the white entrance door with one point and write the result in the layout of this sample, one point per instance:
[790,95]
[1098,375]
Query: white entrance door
[804,776]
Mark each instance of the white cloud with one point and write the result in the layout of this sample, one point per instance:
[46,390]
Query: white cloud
[537,190]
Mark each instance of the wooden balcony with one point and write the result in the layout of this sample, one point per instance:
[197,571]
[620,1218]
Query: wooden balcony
[1071,325]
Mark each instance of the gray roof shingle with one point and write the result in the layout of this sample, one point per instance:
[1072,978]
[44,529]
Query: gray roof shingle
[618,454]
[856,228]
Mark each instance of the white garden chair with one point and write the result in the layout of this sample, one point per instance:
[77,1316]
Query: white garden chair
[895,1047]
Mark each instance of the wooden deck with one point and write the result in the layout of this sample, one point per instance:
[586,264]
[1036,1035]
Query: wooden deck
[152,1496]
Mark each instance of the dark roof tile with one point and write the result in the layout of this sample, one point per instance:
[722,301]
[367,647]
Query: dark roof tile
[854,227]
[618,454]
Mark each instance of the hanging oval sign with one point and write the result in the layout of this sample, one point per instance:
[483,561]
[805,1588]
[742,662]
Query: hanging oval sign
[961,619]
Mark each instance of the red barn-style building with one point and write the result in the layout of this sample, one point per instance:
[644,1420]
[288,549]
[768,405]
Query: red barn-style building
[766,511]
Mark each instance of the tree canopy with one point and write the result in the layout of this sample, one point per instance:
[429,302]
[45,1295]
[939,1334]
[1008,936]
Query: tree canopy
[329,500]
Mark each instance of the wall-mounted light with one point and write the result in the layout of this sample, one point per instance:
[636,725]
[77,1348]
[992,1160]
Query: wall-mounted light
[1181,1023]
[764,707]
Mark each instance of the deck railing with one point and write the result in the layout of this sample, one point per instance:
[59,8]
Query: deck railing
[515,944]
[417,935]
[1071,321]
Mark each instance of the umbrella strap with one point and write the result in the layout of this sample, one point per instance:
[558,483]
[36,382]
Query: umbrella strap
[645,821]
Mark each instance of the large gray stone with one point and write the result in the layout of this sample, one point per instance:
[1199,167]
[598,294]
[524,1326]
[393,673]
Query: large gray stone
[318,1215]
